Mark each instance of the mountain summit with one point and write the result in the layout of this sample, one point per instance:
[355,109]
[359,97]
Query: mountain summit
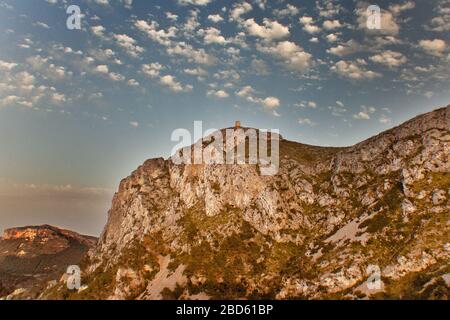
[328,221]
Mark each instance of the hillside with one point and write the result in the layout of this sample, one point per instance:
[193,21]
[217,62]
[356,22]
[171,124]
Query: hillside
[31,256]
[309,232]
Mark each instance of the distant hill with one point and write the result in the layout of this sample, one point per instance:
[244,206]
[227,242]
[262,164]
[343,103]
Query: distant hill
[30,256]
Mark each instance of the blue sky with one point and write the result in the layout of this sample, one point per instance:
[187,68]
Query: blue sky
[80,109]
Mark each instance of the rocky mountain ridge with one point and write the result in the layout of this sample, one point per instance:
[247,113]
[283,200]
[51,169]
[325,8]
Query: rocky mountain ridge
[331,219]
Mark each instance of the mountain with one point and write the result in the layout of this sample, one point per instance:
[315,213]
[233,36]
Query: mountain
[31,256]
[328,221]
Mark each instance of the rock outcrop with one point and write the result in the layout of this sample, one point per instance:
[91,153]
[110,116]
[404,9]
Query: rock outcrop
[32,256]
[328,221]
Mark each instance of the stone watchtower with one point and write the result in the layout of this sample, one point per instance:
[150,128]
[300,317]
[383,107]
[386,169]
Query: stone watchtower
[237,124]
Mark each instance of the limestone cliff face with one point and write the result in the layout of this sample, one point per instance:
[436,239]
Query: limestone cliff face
[310,231]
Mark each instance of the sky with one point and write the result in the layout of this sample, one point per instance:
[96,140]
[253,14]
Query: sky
[81,108]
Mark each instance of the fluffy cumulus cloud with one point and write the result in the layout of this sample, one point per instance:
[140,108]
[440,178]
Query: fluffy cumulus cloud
[306,121]
[170,82]
[48,69]
[7,66]
[270,104]
[331,24]
[199,72]
[441,22]
[221,94]
[346,48]
[308,25]
[354,70]
[152,69]
[129,44]
[365,113]
[435,47]
[102,69]
[240,9]
[245,91]
[192,54]
[216,18]
[389,58]
[292,55]
[289,10]
[194,2]
[99,31]
[213,35]
[152,30]
[269,30]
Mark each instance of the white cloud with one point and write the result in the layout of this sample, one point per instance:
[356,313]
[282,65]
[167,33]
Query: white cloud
[311,29]
[47,69]
[42,24]
[116,76]
[129,44]
[212,35]
[271,102]
[194,2]
[289,10]
[440,24]
[245,91]
[58,98]
[240,9]
[221,94]
[306,121]
[102,69]
[389,58]
[134,124]
[331,24]
[128,4]
[435,47]
[133,83]
[346,48]
[332,37]
[171,16]
[215,18]
[353,70]
[7,66]
[400,7]
[227,74]
[385,119]
[161,36]
[191,22]
[312,104]
[99,31]
[365,113]
[293,56]
[328,9]
[152,70]
[270,30]
[102,2]
[199,72]
[308,25]
[193,55]
[175,86]
[429,94]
